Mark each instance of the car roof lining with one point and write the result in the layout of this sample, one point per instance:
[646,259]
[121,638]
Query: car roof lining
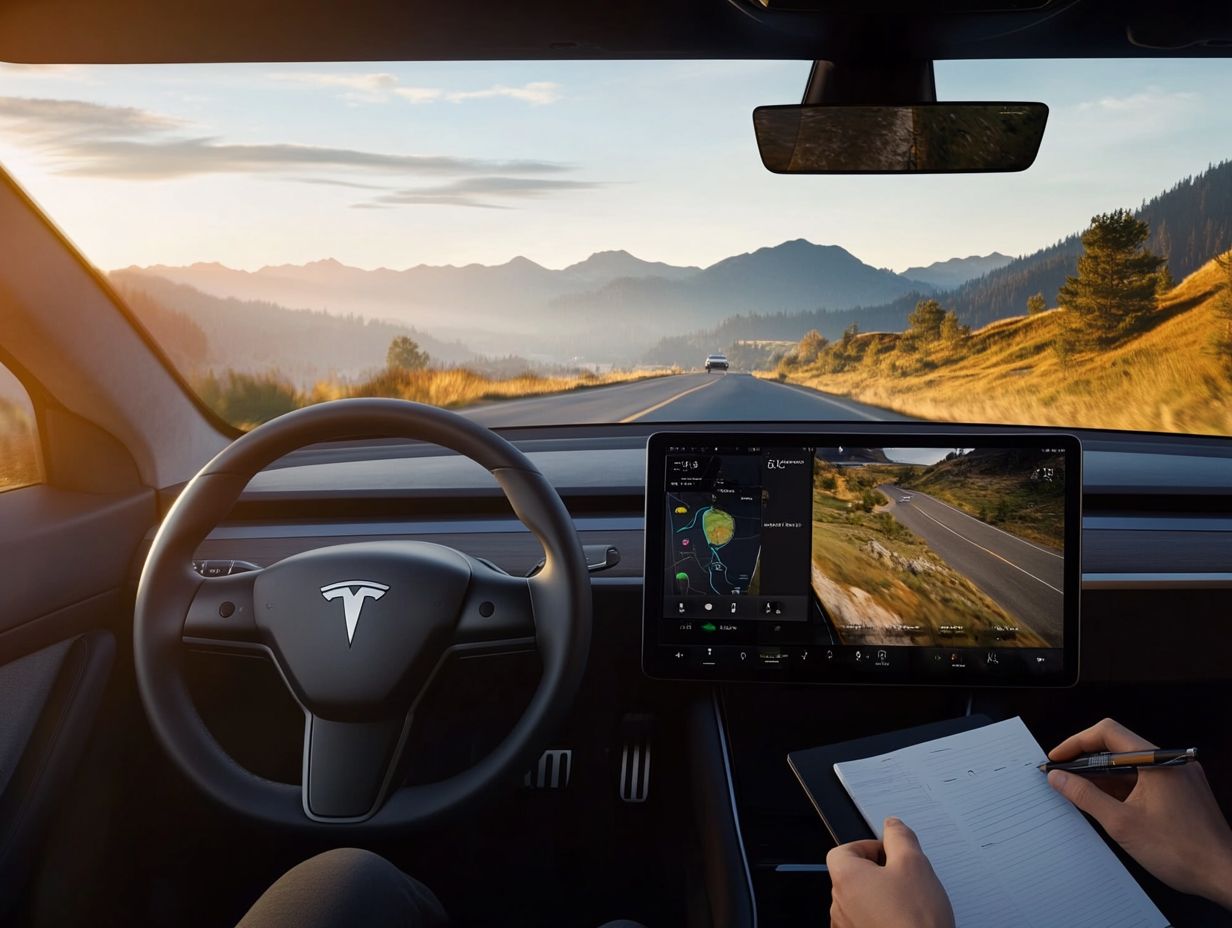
[154,31]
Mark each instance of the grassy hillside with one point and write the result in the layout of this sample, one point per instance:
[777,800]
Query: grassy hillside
[1166,377]
[246,400]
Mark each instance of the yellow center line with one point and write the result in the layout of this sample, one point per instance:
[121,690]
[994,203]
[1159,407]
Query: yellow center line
[671,399]
[986,551]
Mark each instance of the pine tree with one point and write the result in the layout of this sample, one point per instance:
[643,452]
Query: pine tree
[1116,281]
[925,321]
[1163,281]
[1036,304]
[953,331]
[405,354]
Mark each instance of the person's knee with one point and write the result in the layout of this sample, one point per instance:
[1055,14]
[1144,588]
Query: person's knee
[345,886]
[348,865]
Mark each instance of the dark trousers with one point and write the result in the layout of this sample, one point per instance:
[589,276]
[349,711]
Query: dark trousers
[349,887]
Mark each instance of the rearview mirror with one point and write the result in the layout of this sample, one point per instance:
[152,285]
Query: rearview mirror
[930,138]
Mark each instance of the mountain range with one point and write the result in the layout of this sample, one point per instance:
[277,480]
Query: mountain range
[567,314]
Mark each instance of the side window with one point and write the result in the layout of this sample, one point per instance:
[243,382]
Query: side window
[20,461]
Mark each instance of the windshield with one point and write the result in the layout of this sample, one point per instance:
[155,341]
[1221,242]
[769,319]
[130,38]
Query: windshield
[558,242]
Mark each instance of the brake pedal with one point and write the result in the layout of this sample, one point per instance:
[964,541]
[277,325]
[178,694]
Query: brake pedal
[552,772]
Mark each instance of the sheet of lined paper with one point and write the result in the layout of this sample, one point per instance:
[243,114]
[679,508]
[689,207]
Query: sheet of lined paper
[1008,848]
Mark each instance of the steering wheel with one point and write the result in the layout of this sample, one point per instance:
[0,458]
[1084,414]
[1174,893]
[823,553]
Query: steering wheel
[358,631]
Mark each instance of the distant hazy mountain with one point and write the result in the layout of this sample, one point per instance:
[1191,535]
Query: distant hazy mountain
[946,275]
[790,277]
[605,266]
[201,331]
[612,306]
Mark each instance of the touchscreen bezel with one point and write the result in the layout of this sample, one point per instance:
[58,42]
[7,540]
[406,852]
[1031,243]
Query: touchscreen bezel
[659,662]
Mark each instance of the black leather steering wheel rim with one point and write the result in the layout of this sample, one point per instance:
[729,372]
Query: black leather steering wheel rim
[560,595]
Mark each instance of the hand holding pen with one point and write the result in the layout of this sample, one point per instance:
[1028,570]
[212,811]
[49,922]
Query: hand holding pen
[1168,820]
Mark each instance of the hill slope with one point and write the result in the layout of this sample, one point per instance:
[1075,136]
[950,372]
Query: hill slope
[201,331]
[1166,378]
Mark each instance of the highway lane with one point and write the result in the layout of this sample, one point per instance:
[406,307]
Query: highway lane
[680,398]
[1025,578]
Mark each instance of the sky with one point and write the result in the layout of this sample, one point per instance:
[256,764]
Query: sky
[393,165]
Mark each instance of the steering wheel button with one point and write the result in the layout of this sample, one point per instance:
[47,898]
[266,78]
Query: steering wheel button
[486,609]
[226,609]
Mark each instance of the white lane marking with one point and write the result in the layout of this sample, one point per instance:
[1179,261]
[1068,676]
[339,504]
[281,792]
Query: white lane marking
[671,399]
[1059,557]
[993,553]
[824,398]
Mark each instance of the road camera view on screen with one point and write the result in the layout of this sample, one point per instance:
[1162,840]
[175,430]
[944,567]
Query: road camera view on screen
[936,547]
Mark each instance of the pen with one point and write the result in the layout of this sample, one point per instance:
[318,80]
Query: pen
[1127,760]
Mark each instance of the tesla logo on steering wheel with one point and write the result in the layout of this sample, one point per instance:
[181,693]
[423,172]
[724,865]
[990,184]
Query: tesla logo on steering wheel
[353,593]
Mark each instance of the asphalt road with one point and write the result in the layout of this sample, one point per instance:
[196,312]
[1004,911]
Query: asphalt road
[1025,578]
[681,398]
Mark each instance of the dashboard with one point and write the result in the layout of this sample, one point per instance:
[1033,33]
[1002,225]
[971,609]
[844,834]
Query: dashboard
[1156,527]
[949,559]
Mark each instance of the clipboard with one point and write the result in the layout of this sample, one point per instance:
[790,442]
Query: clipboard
[814,768]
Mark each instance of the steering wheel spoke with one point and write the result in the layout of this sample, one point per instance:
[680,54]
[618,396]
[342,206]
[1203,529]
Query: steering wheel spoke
[498,614]
[221,613]
[349,766]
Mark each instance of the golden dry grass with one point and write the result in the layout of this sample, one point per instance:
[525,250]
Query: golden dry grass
[462,387]
[1167,378]
[246,400]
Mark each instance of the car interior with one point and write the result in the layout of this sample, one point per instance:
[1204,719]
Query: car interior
[545,655]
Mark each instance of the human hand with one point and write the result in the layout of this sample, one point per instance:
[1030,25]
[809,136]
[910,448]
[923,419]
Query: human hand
[886,884]
[1167,820]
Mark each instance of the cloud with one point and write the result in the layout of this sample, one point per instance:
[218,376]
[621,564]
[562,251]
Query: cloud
[48,118]
[88,139]
[332,182]
[537,92]
[372,83]
[481,191]
[1149,113]
[1151,100]
[381,86]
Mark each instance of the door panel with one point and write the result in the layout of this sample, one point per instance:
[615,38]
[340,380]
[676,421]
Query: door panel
[61,689]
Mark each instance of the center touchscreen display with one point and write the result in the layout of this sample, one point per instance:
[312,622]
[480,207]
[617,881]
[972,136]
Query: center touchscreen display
[863,558]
